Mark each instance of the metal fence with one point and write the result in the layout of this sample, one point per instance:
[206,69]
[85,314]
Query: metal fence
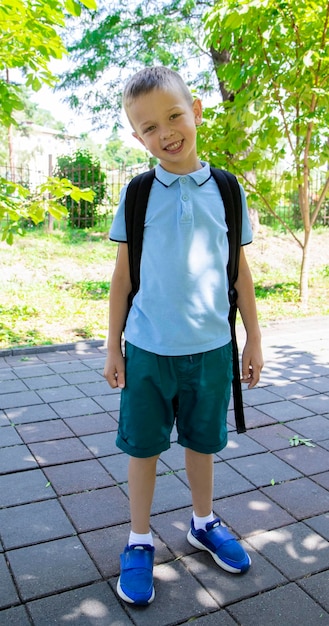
[107,184]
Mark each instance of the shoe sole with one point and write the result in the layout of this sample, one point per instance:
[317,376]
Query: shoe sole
[126,598]
[228,568]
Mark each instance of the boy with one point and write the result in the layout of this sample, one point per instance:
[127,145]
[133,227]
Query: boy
[177,332]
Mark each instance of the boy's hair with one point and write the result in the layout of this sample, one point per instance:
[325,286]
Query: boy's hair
[157,77]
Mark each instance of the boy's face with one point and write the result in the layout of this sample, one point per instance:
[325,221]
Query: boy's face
[165,123]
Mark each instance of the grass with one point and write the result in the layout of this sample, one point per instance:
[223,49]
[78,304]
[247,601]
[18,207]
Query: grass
[54,287]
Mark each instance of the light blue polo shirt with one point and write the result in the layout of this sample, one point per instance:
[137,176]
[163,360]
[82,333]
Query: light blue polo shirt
[182,305]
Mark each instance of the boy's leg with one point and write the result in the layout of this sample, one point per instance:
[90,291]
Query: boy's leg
[199,469]
[141,482]
[135,584]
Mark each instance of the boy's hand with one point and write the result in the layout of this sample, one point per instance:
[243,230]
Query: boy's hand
[114,370]
[252,363]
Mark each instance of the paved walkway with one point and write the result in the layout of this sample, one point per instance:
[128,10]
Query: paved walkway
[64,510]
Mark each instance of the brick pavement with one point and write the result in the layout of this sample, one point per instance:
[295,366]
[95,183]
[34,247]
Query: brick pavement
[64,514]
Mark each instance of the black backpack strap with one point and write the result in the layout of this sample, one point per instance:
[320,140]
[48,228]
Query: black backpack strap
[137,194]
[231,196]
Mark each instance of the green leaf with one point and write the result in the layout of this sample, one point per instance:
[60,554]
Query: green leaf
[90,4]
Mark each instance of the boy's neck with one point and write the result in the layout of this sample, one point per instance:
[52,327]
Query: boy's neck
[182,170]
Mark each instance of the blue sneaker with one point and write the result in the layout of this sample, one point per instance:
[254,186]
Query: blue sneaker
[135,584]
[222,546]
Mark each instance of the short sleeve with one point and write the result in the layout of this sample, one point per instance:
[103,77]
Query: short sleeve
[247,234]
[118,229]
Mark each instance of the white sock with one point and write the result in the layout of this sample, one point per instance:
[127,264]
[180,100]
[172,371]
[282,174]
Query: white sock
[200,522]
[137,539]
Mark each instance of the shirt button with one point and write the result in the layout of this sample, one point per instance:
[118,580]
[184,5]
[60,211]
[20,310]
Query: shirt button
[185,198]
[183,180]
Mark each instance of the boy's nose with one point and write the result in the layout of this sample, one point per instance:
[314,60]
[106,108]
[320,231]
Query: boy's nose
[166,132]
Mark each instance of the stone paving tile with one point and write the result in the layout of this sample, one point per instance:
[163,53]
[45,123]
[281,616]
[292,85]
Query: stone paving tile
[95,604]
[7,374]
[3,419]
[227,482]
[101,444]
[219,618]
[317,404]
[285,411]
[9,437]
[315,427]
[15,459]
[172,527]
[19,399]
[179,596]
[30,371]
[240,445]
[76,477]
[259,396]
[44,431]
[284,605]
[296,550]
[91,425]
[291,391]
[255,418]
[51,567]
[305,459]
[273,437]
[78,378]
[317,587]
[33,523]
[99,388]
[12,386]
[322,479]
[75,408]
[325,444]
[59,451]
[27,414]
[16,616]
[227,588]
[65,367]
[106,544]
[301,498]
[250,513]
[110,402]
[97,509]
[261,469]
[45,382]
[174,457]
[60,394]
[97,363]
[170,493]
[320,384]
[319,523]
[8,593]
[24,487]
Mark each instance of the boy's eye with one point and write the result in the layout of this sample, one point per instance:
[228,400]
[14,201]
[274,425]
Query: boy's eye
[174,115]
[149,129]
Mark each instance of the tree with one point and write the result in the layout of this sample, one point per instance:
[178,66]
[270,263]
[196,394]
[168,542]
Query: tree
[118,154]
[270,61]
[275,66]
[84,170]
[30,38]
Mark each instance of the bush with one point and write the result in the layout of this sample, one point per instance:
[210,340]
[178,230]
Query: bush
[83,170]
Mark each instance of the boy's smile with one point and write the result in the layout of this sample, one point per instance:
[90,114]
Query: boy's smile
[165,123]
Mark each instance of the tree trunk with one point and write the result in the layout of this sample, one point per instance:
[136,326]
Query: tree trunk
[305,268]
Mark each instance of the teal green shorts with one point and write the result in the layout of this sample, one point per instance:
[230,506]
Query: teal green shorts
[201,383]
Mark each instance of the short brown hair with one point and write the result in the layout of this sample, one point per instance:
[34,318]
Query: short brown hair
[156,77]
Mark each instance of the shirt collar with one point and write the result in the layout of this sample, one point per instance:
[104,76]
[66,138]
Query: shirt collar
[168,178]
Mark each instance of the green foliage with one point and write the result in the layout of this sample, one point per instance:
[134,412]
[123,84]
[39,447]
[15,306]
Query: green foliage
[30,38]
[84,171]
[118,154]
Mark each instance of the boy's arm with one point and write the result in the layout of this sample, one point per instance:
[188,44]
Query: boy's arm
[114,369]
[252,359]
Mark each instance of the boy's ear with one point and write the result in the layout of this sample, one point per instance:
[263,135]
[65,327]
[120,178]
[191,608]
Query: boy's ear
[139,138]
[197,110]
